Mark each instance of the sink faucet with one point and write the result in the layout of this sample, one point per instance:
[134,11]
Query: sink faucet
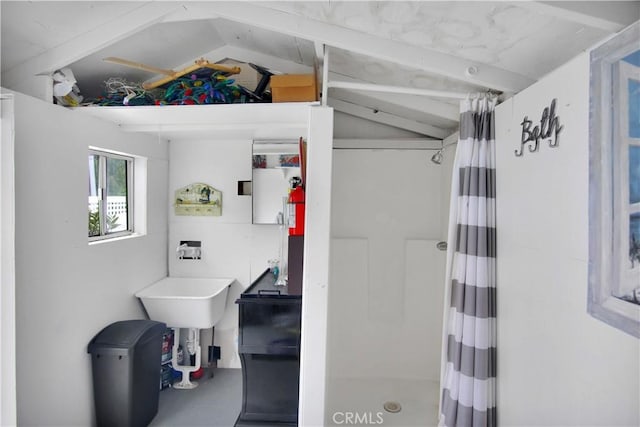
[190,251]
[180,250]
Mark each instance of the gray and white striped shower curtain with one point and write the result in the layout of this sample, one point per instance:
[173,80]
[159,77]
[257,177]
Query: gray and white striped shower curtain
[468,383]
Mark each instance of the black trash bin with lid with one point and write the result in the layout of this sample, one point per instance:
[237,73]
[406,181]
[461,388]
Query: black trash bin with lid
[126,359]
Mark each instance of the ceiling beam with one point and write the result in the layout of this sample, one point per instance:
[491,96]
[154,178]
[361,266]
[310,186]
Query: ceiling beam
[189,127]
[388,144]
[371,45]
[611,16]
[324,83]
[22,76]
[412,102]
[396,108]
[373,87]
[319,51]
[387,119]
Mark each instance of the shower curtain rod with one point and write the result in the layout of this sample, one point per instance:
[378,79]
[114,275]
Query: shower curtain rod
[396,89]
[449,144]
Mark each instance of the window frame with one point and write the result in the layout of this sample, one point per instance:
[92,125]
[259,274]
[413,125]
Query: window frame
[605,174]
[102,179]
[623,276]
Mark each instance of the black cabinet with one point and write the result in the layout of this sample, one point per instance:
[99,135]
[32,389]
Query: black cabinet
[269,348]
[295,264]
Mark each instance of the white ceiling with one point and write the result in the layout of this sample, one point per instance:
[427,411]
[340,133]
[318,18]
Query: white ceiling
[422,44]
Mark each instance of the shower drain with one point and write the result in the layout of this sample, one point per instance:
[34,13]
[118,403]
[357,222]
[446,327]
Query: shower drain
[392,407]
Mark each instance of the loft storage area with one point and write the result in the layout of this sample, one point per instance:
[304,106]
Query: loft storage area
[403,65]
[201,83]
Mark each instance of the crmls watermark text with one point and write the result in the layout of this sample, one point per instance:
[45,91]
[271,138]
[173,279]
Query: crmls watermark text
[358,418]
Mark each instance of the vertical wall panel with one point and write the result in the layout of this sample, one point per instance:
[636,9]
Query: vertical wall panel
[385,303]
[315,280]
[349,299]
[66,289]
[557,365]
[7,265]
[231,245]
[424,283]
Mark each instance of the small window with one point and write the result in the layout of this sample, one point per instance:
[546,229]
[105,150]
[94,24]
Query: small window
[110,195]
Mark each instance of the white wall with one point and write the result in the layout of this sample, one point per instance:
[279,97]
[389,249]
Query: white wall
[386,273]
[315,277]
[449,155]
[231,245]
[7,266]
[557,365]
[66,290]
[348,126]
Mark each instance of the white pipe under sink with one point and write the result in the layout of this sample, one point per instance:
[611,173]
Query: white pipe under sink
[185,302]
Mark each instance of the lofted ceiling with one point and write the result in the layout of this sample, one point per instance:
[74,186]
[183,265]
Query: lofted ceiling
[433,51]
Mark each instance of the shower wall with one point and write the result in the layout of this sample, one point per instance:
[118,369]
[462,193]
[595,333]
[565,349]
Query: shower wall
[386,279]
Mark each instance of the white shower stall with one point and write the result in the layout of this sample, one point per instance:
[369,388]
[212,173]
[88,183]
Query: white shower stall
[385,304]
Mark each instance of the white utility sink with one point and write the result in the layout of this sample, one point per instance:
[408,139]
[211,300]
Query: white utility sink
[185,302]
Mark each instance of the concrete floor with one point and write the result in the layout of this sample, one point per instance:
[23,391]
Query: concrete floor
[214,403]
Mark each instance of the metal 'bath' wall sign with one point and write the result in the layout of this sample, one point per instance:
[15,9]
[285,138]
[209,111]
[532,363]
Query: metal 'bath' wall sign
[549,128]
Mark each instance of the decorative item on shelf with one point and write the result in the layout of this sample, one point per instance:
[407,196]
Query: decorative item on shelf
[289,160]
[198,199]
[259,161]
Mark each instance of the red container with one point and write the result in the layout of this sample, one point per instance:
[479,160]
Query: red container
[296,211]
